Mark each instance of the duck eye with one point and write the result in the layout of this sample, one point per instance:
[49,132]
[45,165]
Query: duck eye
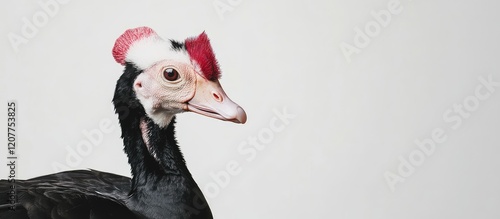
[170,74]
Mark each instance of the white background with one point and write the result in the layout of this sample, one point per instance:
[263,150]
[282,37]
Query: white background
[354,120]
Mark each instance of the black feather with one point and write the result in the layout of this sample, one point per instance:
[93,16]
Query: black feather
[177,46]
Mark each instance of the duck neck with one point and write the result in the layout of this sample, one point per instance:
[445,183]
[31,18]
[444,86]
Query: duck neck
[153,152]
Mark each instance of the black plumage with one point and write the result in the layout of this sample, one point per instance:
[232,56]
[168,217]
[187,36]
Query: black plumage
[161,185]
[178,46]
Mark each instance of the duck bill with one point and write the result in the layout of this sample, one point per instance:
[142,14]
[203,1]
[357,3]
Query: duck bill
[211,100]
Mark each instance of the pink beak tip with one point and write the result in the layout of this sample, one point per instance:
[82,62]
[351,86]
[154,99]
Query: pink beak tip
[241,116]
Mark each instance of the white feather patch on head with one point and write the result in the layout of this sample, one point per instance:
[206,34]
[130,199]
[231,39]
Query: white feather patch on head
[150,50]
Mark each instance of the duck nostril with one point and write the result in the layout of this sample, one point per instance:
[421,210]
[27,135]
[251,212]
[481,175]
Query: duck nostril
[217,97]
